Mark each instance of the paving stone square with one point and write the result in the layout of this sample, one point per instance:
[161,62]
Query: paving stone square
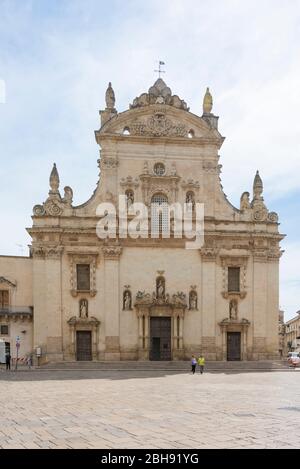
[149,409]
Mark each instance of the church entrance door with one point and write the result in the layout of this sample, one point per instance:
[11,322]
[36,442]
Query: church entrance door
[233,346]
[160,338]
[83,345]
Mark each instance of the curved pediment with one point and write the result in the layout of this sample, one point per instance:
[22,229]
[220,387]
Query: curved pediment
[158,120]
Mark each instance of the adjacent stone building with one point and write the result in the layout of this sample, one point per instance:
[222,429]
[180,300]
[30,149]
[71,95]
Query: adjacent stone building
[292,334]
[149,298]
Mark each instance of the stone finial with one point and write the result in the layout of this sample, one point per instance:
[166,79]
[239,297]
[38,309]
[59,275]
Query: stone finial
[207,102]
[110,97]
[257,186]
[54,180]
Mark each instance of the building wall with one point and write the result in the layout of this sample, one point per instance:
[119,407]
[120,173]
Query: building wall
[63,234]
[16,277]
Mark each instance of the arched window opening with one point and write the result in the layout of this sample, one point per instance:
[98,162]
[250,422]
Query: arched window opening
[160,217]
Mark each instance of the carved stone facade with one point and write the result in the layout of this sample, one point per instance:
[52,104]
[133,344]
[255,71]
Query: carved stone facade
[144,298]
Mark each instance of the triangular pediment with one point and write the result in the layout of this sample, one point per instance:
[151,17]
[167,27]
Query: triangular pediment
[7,282]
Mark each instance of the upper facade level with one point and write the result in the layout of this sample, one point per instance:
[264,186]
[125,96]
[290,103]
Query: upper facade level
[158,148]
[159,114]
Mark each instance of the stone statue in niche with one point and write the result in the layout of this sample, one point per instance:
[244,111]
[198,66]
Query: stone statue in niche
[193,300]
[233,309]
[127,300]
[129,198]
[160,288]
[83,308]
[190,199]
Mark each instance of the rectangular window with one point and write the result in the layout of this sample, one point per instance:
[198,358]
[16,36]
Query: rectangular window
[4,329]
[83,277]
[4,299]
[233,279]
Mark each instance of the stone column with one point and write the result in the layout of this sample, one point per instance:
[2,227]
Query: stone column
[175,333]
[260,297]
[143,318]
[180,332]
[272,337]
[147,332]
[47,302]
[208,342]
[112,301]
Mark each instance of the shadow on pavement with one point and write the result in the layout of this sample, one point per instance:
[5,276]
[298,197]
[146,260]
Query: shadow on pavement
[65,375]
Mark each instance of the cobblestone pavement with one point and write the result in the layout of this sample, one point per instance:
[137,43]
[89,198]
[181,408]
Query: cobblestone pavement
[152,409]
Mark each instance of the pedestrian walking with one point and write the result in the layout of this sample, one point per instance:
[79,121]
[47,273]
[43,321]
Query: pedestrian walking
[7,360]
[193,363]
[201,363]
[29,361]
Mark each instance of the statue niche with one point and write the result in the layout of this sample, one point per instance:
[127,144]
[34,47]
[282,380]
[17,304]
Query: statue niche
[190,199]
[127,301]
[83,308]
[129,197]
[193,300]
[233,309]
[160,288]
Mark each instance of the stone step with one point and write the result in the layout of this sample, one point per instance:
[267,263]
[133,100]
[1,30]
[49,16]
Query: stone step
[164,365]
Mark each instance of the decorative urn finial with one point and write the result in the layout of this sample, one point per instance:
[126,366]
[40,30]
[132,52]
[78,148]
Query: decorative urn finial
[110,97]
[54,180]
[257,186]
[207,102]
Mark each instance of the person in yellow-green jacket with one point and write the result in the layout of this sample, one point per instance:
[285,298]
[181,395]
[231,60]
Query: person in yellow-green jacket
[201,363]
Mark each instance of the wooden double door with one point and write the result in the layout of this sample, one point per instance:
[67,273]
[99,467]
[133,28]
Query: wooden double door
[233,346]
[160,338]
[83,345]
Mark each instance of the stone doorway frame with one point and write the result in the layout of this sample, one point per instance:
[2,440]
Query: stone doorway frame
[176,313]
[84,324]
[235,325]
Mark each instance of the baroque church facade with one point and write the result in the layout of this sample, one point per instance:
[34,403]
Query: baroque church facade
[148,298]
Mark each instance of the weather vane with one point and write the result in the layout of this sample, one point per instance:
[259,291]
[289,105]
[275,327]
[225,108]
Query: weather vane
[159,71]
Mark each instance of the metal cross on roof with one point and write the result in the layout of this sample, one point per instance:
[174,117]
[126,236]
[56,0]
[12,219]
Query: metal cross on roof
[159,71]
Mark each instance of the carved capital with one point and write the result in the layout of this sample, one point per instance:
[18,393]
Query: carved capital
[53,252]
[108,163]
[209,253]
[210,167]
[260,255]
[47,252]
[112,252]
[37,252]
